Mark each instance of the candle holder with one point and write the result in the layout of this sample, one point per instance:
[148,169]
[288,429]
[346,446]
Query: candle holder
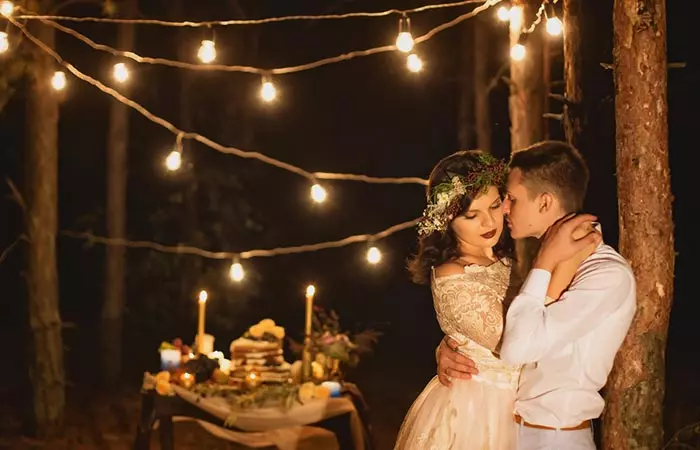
[170,359]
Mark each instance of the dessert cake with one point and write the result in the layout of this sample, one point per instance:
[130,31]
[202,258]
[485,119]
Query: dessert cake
[260,350]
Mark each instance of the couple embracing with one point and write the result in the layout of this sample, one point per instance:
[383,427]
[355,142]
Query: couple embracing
[522,363]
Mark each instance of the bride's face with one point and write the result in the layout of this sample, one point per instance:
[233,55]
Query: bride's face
[481,226]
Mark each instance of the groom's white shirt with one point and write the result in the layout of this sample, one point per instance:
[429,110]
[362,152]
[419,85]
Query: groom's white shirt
[568,347]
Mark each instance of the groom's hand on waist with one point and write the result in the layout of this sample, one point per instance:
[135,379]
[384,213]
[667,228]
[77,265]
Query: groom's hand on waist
[453,365]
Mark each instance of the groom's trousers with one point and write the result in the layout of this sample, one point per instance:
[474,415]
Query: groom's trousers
[544,439]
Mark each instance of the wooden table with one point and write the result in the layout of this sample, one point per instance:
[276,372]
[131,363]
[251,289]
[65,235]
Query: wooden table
[346,417]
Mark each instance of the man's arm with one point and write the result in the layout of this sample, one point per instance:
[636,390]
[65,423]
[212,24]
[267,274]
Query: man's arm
[532,329]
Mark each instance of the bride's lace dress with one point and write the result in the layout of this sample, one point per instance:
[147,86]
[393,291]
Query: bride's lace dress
[474,414]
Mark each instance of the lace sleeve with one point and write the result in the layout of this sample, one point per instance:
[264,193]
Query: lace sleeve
[471,309]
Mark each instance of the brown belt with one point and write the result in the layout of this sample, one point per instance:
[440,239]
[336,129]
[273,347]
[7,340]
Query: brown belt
[582,426]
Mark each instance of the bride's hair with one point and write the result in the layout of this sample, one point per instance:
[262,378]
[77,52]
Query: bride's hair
[438,247]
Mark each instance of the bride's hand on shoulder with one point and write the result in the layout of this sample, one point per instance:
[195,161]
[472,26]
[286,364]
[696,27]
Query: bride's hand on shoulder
[452,364]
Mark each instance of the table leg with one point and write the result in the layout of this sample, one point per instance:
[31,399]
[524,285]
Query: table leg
[165,427]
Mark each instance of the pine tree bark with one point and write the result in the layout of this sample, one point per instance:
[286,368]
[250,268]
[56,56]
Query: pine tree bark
[482,107]
[465,115]
[526,104]
[45,360]
[574,121]
[635,390]
[527,89]
[117,150]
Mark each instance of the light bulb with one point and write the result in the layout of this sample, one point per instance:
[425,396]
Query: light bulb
[4,42]
[515,16]
[268,91]
[554,26]
[203,296]
[374,255]
[517,52]
[414,63]
[58,81]
[310,290]
[174,160]
[404,41]
[207,51]
[318,193]
[7,8]
[503,14]
[236,272]
[121,72]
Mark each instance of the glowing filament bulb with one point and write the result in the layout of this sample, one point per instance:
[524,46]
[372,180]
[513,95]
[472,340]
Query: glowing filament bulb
[236,272]
[374,255]
[318,193]
[268,91]
[515,16]
[517,52]
[58,81]
[173,161]
[4,42]
[120,72]
[207,51]
[414,63]
[7,8]
[404,41]
[503,14]
[554,26]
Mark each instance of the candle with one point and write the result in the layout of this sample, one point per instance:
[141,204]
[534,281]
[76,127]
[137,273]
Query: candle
[310,292]
[306,370]
[200,323]
[225,365]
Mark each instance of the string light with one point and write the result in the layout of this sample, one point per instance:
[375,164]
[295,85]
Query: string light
[268,92]
[173,161]
[236,272]
[374,255]
[120,72]
[7,8]
[207,51]
[189,24]
[404,40]
[503,14]
[318,193]
[554,26]
[517,52]
[4,42]
[58,80]
[515,17]
[414,63]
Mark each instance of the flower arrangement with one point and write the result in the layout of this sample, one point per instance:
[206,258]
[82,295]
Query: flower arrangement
[329,342]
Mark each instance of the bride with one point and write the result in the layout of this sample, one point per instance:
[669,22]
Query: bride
[463,255]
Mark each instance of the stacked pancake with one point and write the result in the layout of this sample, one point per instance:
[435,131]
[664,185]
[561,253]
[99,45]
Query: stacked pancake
[259,351]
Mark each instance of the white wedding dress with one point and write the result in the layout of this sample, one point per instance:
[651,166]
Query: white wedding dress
[474,414]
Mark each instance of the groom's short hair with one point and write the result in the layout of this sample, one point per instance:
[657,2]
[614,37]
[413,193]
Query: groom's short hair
[555,167]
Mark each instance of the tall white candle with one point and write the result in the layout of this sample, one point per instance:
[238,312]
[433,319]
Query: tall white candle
[202,316]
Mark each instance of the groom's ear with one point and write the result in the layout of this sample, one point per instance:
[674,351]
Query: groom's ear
[546,202]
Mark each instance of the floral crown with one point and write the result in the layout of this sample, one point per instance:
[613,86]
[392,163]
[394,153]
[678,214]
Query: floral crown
[444,202]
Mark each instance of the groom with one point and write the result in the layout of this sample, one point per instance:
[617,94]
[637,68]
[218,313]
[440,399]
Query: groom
[568,347]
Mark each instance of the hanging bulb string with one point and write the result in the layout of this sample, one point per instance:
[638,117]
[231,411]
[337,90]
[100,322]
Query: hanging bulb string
[203,139]
[248,254]
[28,15]
[257,70]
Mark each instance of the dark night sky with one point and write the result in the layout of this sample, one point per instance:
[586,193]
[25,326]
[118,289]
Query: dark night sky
[368,115]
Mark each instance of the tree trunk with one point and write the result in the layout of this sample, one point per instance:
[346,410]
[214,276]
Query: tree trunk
[45,359]
[526,105]
[635,390]
[482,107]
[526,100]
[465,115]
[117,148]
[574,121]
